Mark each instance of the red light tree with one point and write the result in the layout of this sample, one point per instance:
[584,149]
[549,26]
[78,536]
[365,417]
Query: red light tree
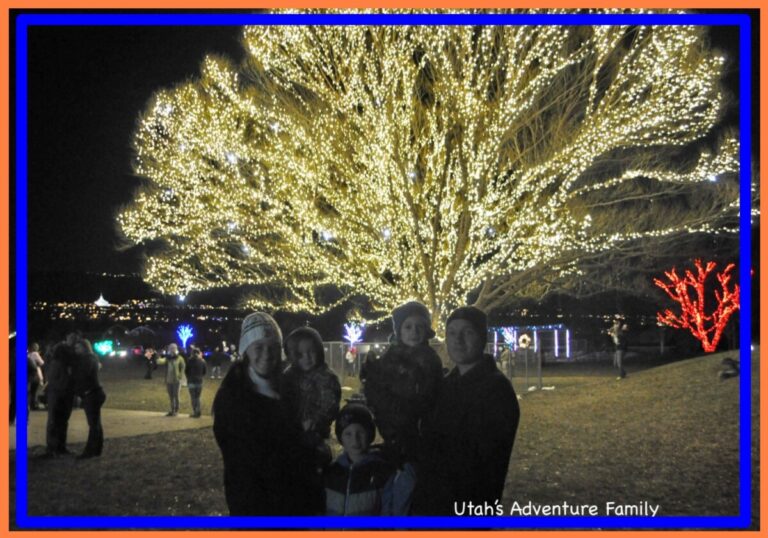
[688,291]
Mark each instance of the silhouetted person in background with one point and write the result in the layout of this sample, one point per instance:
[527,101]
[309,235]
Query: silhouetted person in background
[60,399]
[85,373]
[195,372]
[35,378]
[151,362]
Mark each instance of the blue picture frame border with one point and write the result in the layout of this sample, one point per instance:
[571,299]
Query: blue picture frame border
[24,21]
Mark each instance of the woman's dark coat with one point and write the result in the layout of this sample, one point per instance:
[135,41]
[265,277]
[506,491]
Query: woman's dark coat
[268,468]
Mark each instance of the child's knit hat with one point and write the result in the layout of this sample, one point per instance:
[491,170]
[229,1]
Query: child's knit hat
[411,308]
[355,413]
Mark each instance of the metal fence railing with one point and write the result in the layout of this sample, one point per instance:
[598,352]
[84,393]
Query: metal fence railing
[336,356]
[522,367]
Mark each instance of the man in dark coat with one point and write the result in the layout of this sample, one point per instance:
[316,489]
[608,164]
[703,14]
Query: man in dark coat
[85,374]
[60,399]
[468,439]
[195,372]
[269,470]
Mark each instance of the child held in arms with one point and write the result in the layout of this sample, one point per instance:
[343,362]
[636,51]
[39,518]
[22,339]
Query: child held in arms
[310,389]
[401,389]
[360,482]
[269,470]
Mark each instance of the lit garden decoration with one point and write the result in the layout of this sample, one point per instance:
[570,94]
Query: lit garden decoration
[689,292]
[353,332]
[184,332]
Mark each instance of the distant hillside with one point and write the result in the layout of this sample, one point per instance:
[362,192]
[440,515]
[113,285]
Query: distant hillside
[84,287]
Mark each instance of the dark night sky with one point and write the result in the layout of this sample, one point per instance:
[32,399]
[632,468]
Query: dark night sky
[87,87]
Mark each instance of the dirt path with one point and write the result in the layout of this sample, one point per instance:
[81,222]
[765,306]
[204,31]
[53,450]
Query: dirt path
[116,423]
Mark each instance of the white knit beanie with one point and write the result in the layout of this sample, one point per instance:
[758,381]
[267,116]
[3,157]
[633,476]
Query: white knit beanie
[258,327]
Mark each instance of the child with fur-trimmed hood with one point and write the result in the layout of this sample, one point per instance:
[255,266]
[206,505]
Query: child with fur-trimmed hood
[310,389]
[402,386]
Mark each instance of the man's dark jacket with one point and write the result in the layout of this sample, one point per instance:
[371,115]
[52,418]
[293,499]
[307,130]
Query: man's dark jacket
[467,440]
[268,468]
[195,370]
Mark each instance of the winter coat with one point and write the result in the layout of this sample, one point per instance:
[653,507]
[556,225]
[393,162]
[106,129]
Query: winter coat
[359,489]
[268,468]
[312,396]
[401,388]
[467,440]
[195,370]
[174,369]
[85,373]
[58,371]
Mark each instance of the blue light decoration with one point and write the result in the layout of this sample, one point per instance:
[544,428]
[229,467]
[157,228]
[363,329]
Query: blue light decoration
[184,333]
[510,336]
[353,332]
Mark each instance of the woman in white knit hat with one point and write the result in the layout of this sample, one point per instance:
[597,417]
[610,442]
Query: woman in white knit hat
[268,468]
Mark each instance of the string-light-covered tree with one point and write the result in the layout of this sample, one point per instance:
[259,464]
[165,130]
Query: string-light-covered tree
[429,162]
[689,292]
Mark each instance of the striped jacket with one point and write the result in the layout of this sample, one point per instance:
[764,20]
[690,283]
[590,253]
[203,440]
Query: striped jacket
[359,489]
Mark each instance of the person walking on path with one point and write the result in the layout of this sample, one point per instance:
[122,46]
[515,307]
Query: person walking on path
[174,373]
[195,372]
[85,374]
[35,374]
[468,439]
[269,469]
[60,399]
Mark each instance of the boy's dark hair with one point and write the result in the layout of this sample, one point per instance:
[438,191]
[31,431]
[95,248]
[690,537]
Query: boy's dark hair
[305,333]
[475,316]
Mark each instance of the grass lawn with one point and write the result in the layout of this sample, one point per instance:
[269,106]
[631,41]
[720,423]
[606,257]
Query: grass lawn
[667,435]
